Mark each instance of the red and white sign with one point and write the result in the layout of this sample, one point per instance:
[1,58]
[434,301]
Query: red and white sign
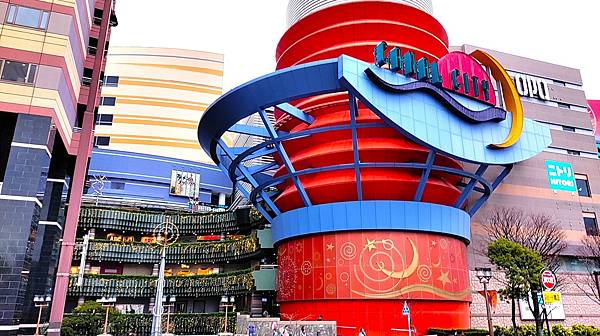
[548,280]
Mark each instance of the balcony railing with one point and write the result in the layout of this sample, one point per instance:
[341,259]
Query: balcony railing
[179,253]
[146,221]
[232,283]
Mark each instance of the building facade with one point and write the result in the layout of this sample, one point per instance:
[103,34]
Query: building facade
[561,105]
[551,95]
[147,169]
[153,99]
[377,168]
[51,65]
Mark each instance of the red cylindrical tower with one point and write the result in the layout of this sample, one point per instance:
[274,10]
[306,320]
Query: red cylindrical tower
[315,272]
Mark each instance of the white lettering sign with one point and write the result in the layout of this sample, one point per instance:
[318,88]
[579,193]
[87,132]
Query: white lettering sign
[533,87]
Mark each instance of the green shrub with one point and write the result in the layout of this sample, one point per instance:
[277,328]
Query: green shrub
[457,332]
[583,330]
[558,330]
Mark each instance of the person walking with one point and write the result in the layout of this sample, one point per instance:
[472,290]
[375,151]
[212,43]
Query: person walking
[362,332]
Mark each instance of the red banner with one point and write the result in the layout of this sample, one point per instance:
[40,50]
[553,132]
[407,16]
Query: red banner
[492,298]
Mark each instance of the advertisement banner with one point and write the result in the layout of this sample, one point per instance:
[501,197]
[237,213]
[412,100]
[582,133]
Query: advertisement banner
[185,184]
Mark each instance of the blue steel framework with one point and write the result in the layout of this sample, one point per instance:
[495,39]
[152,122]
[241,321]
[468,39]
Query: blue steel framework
[346,74]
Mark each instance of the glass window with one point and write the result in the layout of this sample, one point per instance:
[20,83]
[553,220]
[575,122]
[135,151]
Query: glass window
[104,119]
[117,185]
[583,187]
[568,128]
[18,72]
[111,81]
[29,17]
[108,101]
[101,141]
[44,21]
[12,12]
[563,105]
[590,223]
[573,152]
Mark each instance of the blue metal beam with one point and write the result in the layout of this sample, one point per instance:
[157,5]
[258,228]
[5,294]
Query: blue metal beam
[486,187]
[467,190]
[249,130]
[296,113]
[259,153]
[260,209]
[353,114]
[285,158]
[259,168]
[249,177]
[425,176]
[502,175]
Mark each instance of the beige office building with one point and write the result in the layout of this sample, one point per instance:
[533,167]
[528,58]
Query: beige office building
[153,98]
[560,103]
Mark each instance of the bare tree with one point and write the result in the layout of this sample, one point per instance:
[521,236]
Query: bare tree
[536,231]
[591,250]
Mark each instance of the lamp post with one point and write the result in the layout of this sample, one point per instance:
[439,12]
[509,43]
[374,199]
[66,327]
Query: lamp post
[484,274]
[227,301]
[41,301]
[166,234]
[171,299]
[106,302]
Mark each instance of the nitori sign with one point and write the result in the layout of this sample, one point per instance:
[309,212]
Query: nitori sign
[560,176]
[548,279]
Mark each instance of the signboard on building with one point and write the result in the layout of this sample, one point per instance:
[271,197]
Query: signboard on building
[594,109]
[551,297]
[184,184]
[533,87]
[561,176]
[556,310]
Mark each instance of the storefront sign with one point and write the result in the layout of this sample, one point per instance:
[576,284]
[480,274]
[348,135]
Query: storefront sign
[560,176]
[456,73]
[532,87]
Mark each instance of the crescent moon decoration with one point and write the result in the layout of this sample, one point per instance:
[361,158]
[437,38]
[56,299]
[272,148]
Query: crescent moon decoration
[321,283]
[438,263]
[409,270]
[512,101]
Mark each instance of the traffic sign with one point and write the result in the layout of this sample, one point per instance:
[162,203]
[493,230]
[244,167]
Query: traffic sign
[548,279]
[561,176]
[405,310]
[551,297]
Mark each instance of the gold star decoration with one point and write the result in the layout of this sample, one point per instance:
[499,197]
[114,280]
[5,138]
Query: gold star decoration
[433,243]
[370,245]
[330,247]
[443,278]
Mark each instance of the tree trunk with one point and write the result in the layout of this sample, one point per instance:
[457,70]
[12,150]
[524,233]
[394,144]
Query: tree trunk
[537,314]
[514,315]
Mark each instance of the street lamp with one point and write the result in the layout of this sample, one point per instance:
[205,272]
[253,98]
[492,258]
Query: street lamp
[171,299]
[40,301]
[227,301]
[484,274]
[106,302]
